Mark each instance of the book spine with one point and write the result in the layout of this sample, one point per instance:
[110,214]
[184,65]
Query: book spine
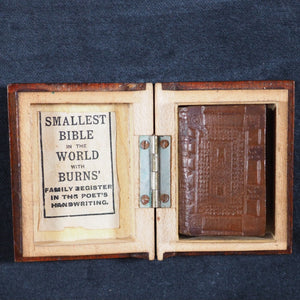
[184,191]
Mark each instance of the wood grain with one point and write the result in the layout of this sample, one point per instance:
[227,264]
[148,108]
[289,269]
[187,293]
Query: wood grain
[14,133]
[74,87]
[166,121]
[229,85]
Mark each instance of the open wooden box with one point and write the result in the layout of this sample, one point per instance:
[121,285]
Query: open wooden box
[141,229]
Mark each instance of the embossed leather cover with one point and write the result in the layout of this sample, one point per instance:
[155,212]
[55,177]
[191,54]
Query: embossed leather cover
[222,188]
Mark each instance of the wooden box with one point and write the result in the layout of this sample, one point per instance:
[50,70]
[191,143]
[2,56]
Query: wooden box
[90,179]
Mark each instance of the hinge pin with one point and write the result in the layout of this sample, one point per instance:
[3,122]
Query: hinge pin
[155,171]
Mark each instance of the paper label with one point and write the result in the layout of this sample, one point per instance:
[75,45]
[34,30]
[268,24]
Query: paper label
[78,170]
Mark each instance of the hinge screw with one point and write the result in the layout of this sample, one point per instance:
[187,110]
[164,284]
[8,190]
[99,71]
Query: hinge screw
[164,198]
[145,199]
[145,144]
[164,144]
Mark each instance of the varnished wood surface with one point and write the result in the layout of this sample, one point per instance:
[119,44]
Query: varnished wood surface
[196,253]
[82,257]
[74,87]
[229,85]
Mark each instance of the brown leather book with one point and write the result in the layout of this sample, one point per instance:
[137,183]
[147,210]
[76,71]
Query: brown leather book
[222,188]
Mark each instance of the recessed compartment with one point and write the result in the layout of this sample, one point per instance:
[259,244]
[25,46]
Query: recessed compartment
[226,171]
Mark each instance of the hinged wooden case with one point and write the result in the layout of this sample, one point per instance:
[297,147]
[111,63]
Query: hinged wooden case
[135,111]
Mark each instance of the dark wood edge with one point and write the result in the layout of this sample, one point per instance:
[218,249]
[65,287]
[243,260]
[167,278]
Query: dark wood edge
[290,162]
[82,257]
[228,85]
[196,253]
[15,160]
[15,172]
[234,85]
[74,87]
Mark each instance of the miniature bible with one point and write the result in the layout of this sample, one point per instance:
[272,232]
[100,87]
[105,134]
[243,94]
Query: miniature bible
[222,170]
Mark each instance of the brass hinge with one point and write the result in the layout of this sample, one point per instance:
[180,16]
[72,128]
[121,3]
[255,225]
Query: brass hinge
[155,171]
